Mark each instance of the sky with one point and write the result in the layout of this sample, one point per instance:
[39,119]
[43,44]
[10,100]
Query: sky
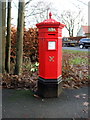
[59,5]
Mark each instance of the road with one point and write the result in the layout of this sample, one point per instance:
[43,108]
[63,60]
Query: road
[75,48]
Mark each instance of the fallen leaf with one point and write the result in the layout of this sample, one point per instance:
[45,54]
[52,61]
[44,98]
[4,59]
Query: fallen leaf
[85,110]
[77,96]
[84,94]
[76,87]
[85,103]
[36,96]
[84,97]
[43,100]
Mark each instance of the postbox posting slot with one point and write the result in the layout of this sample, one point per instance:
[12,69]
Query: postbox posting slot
[51,34]
[51,45]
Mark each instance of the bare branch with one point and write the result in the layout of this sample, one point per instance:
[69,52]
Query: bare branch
[71,19]
[28,2]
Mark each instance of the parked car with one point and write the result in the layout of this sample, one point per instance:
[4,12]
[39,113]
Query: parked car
[68,42]
[84,42]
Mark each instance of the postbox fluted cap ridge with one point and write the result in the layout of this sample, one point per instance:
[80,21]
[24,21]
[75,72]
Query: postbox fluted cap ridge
[50,22]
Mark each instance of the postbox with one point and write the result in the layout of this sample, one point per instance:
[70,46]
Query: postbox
[50,57]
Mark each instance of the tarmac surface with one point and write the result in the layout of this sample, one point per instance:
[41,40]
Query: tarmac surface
[76,48]
[72,103]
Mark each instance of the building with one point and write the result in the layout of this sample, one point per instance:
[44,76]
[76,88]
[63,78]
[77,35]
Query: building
[84,31]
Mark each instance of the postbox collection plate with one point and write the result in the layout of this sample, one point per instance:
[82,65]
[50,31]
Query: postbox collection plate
[51,29]
[51,45]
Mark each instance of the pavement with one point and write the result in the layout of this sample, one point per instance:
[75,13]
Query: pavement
[76,48]
[72,103]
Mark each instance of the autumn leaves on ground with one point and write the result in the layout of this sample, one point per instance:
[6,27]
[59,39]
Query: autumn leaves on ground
[74,65]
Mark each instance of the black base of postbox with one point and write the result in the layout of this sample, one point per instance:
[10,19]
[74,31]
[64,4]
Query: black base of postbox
[49,88]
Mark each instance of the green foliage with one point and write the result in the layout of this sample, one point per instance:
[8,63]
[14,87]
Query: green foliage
[34,67]
[75,52]
[78,60]
[75,68]
[26,64]
[74,72]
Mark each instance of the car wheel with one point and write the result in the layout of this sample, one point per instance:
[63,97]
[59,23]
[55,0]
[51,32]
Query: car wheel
[81,46]
[86,47]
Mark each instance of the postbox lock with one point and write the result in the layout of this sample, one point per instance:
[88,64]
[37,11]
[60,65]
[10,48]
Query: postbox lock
[51,58]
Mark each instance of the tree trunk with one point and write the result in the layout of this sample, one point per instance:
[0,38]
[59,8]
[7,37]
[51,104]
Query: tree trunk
[69,30]
[8,38]
[19,47]
[72,32]
[3,34]
[1,37]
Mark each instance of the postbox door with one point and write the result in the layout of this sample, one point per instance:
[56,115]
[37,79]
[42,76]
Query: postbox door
[51,59]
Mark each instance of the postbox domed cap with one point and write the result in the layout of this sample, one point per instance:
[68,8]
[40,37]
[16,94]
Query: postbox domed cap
[50,22]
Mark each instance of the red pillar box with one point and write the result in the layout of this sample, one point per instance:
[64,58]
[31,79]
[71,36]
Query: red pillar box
[50,58]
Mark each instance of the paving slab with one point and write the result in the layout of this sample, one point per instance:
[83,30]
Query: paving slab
[72,103]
